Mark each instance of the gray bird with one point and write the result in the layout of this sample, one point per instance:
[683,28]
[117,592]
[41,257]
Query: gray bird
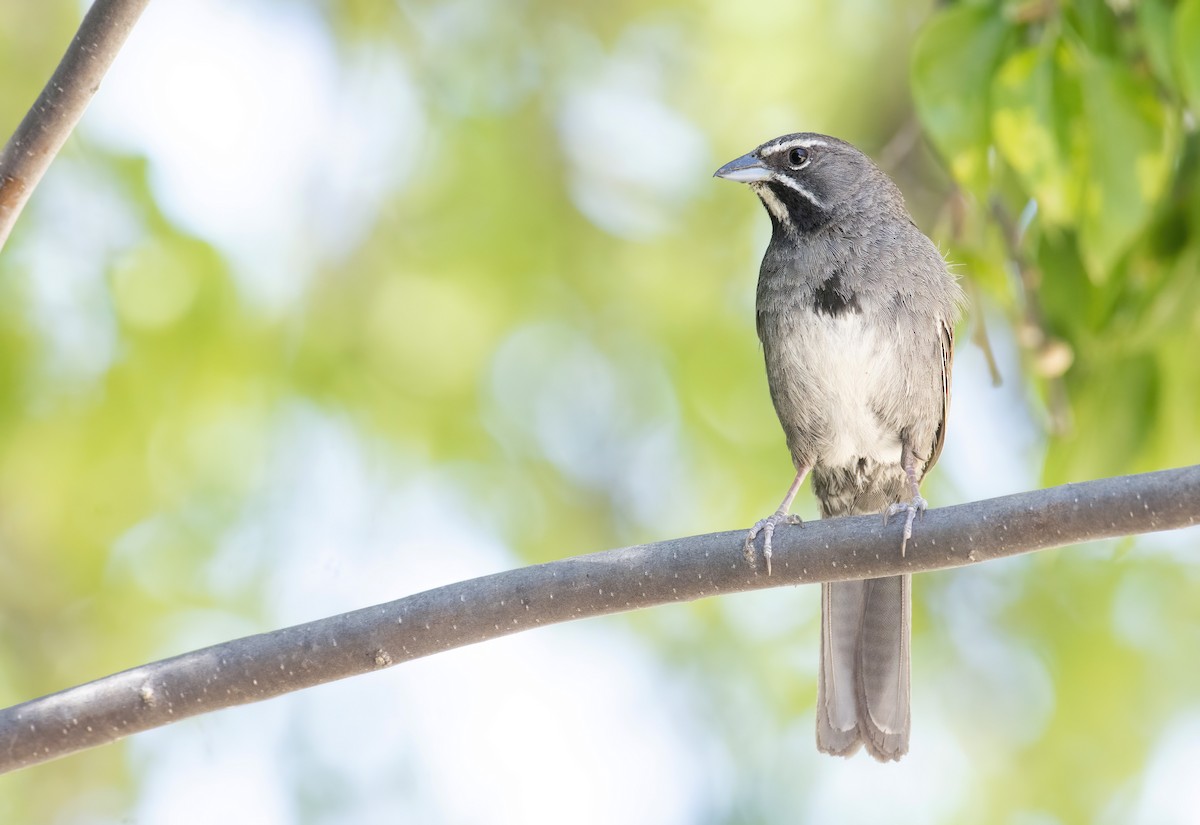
[856,313]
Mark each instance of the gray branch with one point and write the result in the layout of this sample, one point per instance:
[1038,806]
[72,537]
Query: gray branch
[270,664]
[46,126]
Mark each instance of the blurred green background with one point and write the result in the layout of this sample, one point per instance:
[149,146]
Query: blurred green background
[329,302]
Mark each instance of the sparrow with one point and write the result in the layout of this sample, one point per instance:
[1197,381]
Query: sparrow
[855,310]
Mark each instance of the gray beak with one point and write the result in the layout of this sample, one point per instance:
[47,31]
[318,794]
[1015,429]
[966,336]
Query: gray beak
[746,169]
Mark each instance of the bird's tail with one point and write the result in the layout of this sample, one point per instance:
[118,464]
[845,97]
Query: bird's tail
[863,687]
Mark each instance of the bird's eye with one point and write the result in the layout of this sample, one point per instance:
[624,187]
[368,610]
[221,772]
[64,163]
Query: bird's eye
[798,156]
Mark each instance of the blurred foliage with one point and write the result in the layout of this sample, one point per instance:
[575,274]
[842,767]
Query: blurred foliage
[554,306]
[1083,112]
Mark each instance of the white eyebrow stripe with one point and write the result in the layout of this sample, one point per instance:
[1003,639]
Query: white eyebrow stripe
[791,184]
[791,144]
[773,203]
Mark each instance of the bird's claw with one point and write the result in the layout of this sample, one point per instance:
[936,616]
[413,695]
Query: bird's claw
[918,505]
[767,527]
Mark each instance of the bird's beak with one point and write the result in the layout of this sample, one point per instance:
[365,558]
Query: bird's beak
[746,169]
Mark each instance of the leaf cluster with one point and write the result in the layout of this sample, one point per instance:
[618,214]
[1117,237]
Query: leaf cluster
[1071,127]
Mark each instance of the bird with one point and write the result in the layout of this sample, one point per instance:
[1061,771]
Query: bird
[855,309]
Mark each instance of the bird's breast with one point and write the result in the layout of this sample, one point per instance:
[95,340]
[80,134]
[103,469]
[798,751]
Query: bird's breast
[831,374]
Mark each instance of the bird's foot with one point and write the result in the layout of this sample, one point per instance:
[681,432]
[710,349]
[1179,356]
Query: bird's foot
[911,508]
[767,528]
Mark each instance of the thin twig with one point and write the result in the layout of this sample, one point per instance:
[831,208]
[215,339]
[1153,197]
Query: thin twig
[957,206]
[900,145]
[1052,356]
[980,337]
[47,125]
[260,667]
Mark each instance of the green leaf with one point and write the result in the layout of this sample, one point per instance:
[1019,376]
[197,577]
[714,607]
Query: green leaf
[1187,50]
[953,61]
[1094,25]
[1089,140]
[1132,139]
[1154,25]
[1031,119]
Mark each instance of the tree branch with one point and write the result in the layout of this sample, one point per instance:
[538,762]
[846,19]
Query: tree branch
[270,664]
[46,126]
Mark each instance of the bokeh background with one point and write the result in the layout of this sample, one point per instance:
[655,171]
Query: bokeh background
[331,301]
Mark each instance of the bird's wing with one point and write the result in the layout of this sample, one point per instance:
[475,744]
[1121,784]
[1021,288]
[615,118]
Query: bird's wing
[946,345]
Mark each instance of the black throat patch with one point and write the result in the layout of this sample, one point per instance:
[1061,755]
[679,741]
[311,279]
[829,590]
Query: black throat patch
[834,299]
[803,214]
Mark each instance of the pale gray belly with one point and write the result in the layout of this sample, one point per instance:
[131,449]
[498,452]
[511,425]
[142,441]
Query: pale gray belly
[833,380]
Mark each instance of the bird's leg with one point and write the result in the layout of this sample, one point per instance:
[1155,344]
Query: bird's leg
[767,526]
[916,505]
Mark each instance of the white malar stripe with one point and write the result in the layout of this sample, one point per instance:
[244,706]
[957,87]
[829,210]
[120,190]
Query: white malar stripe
[791,184]
[791,144]
[773,204]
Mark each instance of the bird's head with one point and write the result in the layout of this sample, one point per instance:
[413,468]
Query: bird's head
[807,180]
